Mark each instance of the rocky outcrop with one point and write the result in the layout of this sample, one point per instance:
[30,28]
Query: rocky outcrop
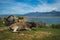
[19,26]
[9,20]
[15,24]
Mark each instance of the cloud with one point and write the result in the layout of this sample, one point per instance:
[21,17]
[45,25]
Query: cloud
[12,7]
[18,8]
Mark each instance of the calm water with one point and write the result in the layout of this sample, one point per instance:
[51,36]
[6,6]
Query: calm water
[52,20]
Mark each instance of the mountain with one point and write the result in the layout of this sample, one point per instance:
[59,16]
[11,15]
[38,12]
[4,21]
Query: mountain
[11,14]
[52,13]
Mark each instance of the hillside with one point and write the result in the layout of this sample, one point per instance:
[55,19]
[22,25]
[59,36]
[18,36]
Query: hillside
[52,13]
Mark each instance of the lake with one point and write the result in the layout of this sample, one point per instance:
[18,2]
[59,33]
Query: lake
[52,20]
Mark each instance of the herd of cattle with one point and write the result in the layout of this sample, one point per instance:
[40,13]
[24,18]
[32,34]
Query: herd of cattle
[19,23]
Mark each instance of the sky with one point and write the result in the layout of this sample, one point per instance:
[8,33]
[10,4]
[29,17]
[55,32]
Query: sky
[26,6]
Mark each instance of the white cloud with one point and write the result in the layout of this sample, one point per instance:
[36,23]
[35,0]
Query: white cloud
[22,8]
[18,8]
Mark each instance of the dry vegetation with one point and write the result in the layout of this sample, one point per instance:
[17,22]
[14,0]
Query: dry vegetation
[51,33]
[34,34]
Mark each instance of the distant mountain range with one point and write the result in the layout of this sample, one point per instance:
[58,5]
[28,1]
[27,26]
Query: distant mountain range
[52,13]
[11,14]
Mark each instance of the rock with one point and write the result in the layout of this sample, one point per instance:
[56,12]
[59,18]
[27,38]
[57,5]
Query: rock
[9,20]
[18,26]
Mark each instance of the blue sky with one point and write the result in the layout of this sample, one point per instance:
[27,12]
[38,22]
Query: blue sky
[26,6]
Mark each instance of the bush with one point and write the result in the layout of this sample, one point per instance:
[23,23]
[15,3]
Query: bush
[55,26]
[1,23]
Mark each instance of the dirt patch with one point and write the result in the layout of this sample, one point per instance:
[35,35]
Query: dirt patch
[37,35]
[42,34]
[3,28]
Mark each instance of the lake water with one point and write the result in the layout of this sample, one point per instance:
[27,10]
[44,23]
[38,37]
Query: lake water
[52,20]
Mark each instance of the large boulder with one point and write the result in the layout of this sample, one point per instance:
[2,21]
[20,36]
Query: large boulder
[9,20]
[36,24]
[19,26]
[31,24]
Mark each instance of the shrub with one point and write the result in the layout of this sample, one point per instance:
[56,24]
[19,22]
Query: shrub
[55,26]
[1,23]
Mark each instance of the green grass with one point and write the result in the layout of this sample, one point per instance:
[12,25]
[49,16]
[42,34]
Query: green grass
[34,34]
[1,23]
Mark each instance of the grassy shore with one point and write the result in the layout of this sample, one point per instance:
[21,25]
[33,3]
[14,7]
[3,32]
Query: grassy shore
[34,34]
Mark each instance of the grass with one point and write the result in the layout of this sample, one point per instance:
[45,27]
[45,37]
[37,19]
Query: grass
[1,23]
[34,34]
